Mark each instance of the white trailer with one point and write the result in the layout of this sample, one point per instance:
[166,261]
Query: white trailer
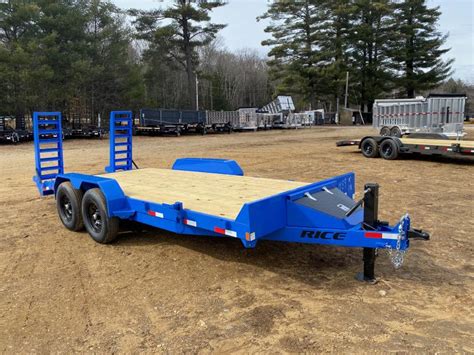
[315,117]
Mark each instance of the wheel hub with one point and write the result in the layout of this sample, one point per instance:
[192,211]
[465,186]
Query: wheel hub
[67,207]
[95,218]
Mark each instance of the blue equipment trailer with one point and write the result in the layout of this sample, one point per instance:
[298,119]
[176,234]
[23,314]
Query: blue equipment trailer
[212,197]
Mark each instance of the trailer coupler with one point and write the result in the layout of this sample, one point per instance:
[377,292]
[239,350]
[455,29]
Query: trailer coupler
[418,234]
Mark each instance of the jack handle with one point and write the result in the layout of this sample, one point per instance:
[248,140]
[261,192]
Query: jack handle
[358,203]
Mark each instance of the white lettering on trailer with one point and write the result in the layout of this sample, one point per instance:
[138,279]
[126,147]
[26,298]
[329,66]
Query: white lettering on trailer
[343,207]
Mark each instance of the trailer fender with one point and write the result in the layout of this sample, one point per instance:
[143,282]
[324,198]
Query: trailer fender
[207,165]
[117,202]
[380,139]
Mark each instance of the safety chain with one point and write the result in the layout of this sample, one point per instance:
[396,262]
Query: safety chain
[396,255]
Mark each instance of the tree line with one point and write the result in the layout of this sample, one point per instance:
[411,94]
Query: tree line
[87,57]
[387,47]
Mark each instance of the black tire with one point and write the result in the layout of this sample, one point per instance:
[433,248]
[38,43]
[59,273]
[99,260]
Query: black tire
[100,227]
[369,148]
[385,131]
[395,132]
[68,203]
[389,149]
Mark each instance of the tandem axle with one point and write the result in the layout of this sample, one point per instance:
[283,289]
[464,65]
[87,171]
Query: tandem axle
[212,197]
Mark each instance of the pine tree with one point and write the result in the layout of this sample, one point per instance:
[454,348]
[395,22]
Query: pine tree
[334,42]
[418,50]
[296,63]
[370,40]
[188,29]
[18,55]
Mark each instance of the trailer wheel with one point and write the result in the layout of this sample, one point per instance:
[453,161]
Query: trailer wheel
[68,203]
[395,132]
[369,148]
[389,149]
[385,131]
[99,225]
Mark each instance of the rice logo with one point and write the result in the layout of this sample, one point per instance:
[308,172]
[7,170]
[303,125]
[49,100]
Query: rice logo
[323,235]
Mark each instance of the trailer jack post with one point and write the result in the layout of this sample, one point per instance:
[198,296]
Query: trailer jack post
[371,211]
[368,275]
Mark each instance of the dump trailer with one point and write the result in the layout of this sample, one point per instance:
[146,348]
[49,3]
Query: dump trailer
[438,113]
[392,148]
[212,197]
[224,121]
[154,121]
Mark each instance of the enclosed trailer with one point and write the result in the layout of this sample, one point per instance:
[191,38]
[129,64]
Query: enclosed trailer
[316,117]
[442,114]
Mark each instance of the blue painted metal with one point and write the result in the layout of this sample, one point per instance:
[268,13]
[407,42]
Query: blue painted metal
[121,129]
[279,217]
[276,217]
[117,202]
[206,165]
[49,162]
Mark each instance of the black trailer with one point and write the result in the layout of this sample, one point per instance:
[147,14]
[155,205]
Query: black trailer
[391,148]
[8,134]
[165,121]
[176,122]
[85,131]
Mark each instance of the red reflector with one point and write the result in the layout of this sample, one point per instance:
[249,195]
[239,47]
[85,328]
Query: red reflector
[151,213]
[219,230]
[373,235]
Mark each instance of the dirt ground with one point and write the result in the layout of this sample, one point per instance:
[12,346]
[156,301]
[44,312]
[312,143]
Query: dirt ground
[159,292]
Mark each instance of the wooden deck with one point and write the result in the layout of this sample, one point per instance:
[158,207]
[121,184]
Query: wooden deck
[438,142]
[216,194]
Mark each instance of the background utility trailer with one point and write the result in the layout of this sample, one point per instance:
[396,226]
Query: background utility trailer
[391,148]
[154,121]
[438,114]
[13,130]
[211,197]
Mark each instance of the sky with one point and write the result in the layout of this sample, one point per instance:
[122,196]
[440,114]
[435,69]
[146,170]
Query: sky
[243,30]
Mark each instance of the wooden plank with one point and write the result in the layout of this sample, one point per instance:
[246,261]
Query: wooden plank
[437,142]
[216,194]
